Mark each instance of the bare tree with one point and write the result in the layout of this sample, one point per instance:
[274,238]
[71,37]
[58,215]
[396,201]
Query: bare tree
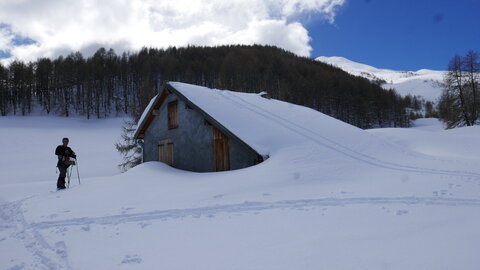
[459,104]
[471,66]
[4,91]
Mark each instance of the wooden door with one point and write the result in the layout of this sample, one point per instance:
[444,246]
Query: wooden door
[165,151]
[221,151]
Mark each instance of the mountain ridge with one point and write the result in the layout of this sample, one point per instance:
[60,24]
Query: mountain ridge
[423,82]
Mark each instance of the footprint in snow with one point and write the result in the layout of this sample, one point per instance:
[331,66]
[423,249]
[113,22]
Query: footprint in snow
[126,209]
[17,267]
[144,224]
[61,249]
[440,193]
[61,230]
[130,259]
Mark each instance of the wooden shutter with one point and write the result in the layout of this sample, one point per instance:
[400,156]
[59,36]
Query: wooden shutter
[221,151]
[173,114]
[165,151]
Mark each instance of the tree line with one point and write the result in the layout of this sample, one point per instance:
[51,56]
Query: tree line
[107,84]
[459,104]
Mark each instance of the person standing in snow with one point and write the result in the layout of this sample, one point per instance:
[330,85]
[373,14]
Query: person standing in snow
[63,153]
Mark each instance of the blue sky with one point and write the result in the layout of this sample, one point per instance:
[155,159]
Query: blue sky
[399,34]
[394,34]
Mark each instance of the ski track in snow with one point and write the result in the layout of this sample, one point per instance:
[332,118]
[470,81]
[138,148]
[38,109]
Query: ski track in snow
[337,147]
[44,255]
[249,207]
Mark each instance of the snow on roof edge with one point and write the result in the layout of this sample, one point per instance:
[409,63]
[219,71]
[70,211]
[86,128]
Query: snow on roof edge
[145,113]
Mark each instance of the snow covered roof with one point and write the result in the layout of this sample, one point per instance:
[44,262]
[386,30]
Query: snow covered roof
[266,125]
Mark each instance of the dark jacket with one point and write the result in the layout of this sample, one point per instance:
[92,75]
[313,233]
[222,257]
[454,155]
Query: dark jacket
[62,152]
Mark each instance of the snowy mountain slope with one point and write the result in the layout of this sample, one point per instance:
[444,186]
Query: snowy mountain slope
[424,82]
[335,197]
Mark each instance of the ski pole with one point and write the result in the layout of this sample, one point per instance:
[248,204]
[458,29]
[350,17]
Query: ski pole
[78,174]
[69,175]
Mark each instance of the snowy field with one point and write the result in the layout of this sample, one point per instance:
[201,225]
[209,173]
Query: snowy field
[343,198]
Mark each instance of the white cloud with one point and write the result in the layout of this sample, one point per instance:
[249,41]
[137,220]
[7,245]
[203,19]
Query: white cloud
[61,26]
[6,38]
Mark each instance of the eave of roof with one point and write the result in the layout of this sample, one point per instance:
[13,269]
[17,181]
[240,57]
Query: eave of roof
[145,121]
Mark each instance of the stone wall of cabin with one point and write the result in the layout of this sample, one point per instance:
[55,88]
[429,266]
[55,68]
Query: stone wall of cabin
[192,141]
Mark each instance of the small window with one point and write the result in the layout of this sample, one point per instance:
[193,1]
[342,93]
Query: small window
[173,115]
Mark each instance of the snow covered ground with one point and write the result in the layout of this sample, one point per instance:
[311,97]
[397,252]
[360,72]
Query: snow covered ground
[341,198]
[424,82]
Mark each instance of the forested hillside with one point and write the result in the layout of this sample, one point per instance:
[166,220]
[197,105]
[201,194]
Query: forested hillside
[107,84]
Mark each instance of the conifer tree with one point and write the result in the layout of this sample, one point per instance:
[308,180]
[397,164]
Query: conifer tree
[129,148]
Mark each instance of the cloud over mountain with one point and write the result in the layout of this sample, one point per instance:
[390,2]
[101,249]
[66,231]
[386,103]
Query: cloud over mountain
[55,27]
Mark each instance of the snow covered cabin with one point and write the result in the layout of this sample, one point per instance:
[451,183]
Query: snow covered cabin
[199,129]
